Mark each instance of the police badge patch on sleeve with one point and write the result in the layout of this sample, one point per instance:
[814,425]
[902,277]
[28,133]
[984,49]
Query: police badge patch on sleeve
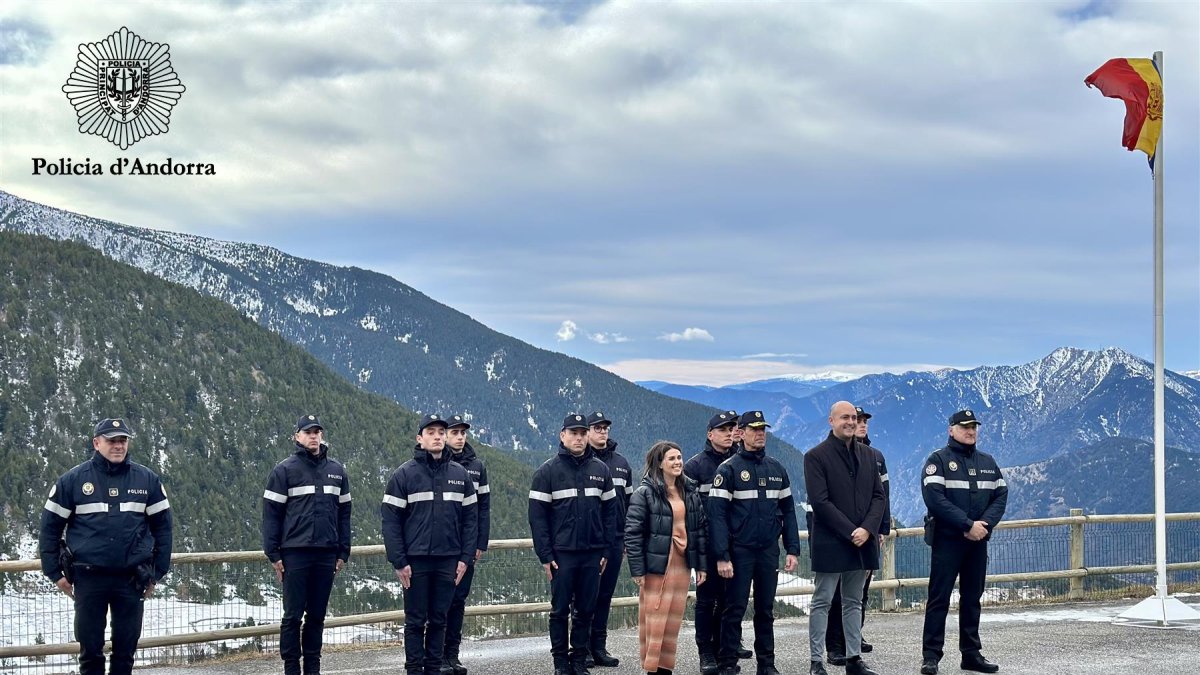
[717,481]
[930,470]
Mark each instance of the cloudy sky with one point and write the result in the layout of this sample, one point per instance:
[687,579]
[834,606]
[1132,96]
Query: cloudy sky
[698,192]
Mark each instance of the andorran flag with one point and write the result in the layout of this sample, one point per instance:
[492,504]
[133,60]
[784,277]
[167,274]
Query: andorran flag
[1138,83]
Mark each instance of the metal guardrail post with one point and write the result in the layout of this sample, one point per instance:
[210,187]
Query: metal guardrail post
[1075,591]
[888,570]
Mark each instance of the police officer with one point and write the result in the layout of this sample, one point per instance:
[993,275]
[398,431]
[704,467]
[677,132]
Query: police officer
[605,449]
[750,506]
[462,453]
[430,533]
[118,545]
[572,514]
[710,596]
[966,496]
[835,636]
[306,536]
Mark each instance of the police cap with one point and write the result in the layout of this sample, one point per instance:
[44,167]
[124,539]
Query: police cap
[574,421]
[862,414]
[722,419]
[430,420]
[308,422]
[964,418]
[112,427]
[598,418]
[457,421]
[752,418]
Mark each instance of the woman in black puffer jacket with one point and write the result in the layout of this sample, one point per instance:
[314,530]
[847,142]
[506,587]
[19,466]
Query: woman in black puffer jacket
[666,537]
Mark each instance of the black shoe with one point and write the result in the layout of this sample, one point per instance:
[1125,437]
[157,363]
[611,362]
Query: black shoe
[836,659]
[602,658]
[867,647]
[579,668]
[729,670]
[455,665]
[817,668]
[858,667]
[562,670]
[744,653]
[977,663]
[767,669]
[929,667]
[708,664]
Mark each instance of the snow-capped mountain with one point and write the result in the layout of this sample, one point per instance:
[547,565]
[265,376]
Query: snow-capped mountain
[390,338]
[1070,399]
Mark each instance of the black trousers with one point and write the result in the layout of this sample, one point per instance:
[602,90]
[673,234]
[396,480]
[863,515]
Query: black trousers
[710,604]
[307,583]
[426,604]
[760,568]
[573,596]
[457,611]
[835,635]
[96,593]
[966,561]
[604,596]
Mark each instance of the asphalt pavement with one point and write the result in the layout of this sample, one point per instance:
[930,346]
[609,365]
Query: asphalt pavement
[1058,639]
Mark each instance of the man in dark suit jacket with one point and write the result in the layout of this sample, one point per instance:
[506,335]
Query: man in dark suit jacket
[846,496]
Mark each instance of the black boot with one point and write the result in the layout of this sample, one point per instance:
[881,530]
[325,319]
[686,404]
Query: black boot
[817,668]
[743,653]
[837,658]
[291,667]
[856,666]
[708,664]
[601,657]
[579,666]
[312,665]
[766,669]
[867,647]
[977,663]
[455,665]
[562,667]
[929,666]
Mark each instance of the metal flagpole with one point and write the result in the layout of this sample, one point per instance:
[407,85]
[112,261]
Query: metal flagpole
[1160,481]
[1161,610]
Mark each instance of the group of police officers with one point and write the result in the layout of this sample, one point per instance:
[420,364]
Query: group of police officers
[106,541]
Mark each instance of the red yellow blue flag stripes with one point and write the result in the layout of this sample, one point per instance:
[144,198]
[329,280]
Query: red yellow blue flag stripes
[1138,83]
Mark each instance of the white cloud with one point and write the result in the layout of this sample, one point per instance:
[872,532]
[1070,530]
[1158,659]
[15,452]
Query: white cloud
[718,373]
[608,338]
[688,335]
[773,355]
[566,331]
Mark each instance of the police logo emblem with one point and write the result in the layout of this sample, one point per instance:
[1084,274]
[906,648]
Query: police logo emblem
[930,470]
[311,417]
[88,488]
[953,465]
[745,475]
[970,472]
[113,492]
[433,417]
[968,413]
[53,489]
[123,88]
[758,414]
[762,482]
[116,423]
[717,481]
